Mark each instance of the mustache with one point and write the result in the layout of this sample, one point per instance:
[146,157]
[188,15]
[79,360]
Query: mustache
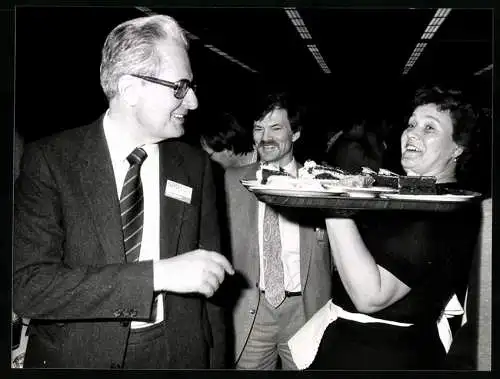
[267,143]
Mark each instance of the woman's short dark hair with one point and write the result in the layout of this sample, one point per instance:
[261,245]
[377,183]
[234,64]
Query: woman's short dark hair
[463,116]
[224,132]
[281,100]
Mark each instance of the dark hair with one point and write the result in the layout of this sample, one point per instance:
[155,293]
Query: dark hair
[463,117]
[225,132]
[281,100]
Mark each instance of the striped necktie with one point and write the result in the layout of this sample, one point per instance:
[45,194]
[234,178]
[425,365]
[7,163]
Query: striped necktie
[132,206]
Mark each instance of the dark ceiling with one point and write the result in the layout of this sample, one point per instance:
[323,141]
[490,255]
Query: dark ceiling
[362,47]
[365,49]
[356,44]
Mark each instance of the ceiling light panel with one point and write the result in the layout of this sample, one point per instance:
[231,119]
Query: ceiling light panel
[301,27]
[487,68]
[192,36]
[428,33]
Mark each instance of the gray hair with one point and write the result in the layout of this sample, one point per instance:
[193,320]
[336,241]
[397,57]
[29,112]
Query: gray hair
[131,47]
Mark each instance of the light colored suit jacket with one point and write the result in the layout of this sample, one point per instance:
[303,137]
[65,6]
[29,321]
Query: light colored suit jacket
[315,258]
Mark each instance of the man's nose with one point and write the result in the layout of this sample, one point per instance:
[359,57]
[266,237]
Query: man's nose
[190,100]
[266,135]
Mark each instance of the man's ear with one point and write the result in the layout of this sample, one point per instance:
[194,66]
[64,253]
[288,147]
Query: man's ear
[296,136]
[127,89]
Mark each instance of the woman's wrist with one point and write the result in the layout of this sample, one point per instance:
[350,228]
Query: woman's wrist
[339,222]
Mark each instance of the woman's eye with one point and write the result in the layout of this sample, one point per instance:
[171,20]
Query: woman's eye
[411,126]
[429,127]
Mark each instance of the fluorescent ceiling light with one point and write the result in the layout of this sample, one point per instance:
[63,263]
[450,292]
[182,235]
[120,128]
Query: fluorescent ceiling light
[437,21]
[191,36]
[146,10]
[301,28]
[228,57]
[319,59]
[439,12]
[298,23]
[487,68]
[428,33]
[442,12]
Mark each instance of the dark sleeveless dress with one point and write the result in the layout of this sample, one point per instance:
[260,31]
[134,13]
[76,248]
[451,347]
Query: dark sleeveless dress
[431,252]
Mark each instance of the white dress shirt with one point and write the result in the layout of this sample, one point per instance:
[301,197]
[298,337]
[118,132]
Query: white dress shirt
[290,244]
[120,145]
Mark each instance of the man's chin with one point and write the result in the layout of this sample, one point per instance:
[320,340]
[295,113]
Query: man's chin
[267,155]
[411,170]
[174,134]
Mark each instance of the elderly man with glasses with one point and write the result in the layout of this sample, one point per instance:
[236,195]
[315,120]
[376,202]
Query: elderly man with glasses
[116,239]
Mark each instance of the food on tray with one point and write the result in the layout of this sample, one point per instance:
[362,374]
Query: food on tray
[383,178]
[335,176]
[417,185]
[312,170]
[411,185]
[312,176]
[266,171]
[289,182]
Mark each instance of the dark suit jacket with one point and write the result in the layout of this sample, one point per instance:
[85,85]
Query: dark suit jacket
[70,274]
[315,259]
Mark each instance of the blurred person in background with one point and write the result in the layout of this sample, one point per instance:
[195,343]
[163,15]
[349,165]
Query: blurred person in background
[356,146]
[226,141]
[228,144]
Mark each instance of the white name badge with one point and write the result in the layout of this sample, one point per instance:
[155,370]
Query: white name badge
[178,191]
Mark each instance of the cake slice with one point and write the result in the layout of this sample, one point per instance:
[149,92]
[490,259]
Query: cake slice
[312,170]
[417,185]
[266,171]
[410,185]
[386,178]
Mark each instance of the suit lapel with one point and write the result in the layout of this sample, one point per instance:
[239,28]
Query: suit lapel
[99,186]
[253,231]
[246,219]
[171,210]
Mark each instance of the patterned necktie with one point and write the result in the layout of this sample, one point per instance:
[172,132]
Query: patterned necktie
[132,206]
[273,266]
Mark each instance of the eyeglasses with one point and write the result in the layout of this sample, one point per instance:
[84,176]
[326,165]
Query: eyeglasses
[180,87]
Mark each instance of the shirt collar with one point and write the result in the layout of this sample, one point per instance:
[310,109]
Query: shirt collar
[291,167]
[120,144]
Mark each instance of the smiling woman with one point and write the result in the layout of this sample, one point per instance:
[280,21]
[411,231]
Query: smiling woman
[436,141]
[395,272]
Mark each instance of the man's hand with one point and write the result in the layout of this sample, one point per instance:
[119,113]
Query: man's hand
[199,271]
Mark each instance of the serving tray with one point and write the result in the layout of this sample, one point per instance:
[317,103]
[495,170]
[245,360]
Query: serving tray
[335,201]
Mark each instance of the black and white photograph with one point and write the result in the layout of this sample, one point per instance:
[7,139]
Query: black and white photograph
[252,188]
